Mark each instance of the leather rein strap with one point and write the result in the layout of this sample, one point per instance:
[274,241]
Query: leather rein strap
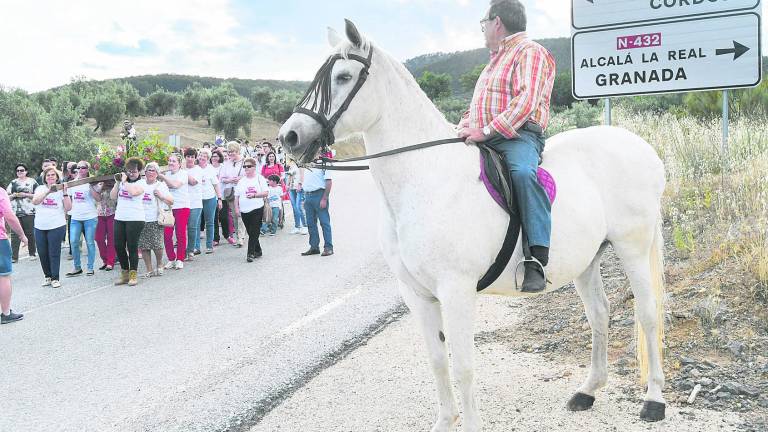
[323,161]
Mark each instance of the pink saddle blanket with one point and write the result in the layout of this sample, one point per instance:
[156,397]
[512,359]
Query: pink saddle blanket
[545,180]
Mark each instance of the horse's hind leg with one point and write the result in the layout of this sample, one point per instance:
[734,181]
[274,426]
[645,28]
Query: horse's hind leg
[427,312]
[589,285]
[637,266]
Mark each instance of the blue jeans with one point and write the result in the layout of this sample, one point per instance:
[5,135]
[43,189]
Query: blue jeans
[297,204]
[314,212]
[193,230]
[49,250]
[209,213]
[88,227]
[275,220]
[522,156]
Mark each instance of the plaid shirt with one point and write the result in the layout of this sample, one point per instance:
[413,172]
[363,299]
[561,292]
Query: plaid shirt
[514,87]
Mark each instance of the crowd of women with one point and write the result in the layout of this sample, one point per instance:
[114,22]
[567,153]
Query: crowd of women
[222,191]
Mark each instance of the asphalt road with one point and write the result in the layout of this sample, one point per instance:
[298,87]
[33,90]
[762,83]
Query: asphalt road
[214,346]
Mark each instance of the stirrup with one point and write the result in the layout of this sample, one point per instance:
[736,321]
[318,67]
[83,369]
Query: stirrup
[518,287]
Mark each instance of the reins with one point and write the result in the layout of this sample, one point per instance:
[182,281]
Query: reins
[322,162]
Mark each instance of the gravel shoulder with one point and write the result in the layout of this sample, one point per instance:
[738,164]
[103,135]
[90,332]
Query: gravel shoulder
[386,385]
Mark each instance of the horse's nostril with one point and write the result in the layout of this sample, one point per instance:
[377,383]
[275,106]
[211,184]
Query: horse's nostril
[290,139]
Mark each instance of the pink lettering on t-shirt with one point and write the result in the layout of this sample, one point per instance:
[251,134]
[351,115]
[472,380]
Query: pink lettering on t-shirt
[147,198]
[124,194]
[250,190]
[50,203]
[80,197]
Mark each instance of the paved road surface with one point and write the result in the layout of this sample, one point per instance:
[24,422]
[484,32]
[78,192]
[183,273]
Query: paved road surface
[210,347]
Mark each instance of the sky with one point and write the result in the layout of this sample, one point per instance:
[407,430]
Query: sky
[48,42]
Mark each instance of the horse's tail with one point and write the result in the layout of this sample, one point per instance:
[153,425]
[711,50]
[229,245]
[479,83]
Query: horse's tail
[657,284]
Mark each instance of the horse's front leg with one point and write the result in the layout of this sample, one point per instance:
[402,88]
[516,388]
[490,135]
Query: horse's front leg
[458,299]
[427,312]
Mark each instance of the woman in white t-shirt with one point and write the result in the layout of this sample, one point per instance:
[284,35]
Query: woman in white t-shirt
[209,181]
[177,181]
[222,218]
[85,218]
[249,203]
[156,194]
[51,224]
[129,220]
[195,202]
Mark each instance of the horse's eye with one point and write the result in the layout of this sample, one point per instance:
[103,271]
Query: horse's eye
[343,77]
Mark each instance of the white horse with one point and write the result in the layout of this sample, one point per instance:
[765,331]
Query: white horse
[609,181]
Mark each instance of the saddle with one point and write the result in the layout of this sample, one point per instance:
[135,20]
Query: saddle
[495,176]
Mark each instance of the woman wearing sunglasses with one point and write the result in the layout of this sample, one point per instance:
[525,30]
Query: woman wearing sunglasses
[85,218]
[249,203]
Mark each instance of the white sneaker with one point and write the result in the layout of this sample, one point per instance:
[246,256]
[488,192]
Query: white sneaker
[46,282]
[33,257]
[179,265]
[170,265]
[304,231]
[295,231]
[55,284]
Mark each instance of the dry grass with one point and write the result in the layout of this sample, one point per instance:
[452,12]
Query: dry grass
[192,132]
[716,205]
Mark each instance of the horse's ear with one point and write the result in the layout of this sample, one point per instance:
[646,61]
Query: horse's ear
[352,34]
[333,37]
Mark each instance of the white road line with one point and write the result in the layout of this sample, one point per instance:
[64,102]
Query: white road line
[68,299]
[316,314]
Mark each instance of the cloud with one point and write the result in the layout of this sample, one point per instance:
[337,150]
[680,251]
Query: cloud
[144,47]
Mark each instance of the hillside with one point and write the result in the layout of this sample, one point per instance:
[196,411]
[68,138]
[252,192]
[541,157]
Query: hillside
[146,84]
[457,63]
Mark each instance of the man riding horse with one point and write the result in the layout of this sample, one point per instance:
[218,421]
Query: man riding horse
[509,112]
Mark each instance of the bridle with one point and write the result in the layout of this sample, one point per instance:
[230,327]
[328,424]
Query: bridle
[321,89]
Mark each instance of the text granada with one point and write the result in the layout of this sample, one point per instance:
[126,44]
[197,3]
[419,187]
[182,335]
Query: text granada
[640,77]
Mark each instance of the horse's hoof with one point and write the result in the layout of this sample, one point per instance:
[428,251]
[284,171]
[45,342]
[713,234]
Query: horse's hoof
[652,411]
[580,402]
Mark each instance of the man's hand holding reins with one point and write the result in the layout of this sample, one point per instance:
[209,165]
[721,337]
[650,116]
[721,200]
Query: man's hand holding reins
[472,135]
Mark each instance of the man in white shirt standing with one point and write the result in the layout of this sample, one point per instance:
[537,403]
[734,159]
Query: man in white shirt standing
[317,188]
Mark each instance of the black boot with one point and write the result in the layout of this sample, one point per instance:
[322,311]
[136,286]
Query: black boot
[534,280]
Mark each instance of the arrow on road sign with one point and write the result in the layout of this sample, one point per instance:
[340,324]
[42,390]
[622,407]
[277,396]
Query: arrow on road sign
[737,50]
[591,1]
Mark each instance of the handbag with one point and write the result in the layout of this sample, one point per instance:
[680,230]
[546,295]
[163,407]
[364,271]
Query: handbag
[267,216]
[165,216]
[229,194]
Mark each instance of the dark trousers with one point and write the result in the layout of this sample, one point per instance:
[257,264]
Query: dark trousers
[28,224]
[222,220]
[49,248]
[127,235]
[252,222]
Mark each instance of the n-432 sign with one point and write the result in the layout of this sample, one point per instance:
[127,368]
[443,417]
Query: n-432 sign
[603,13]
[703,53]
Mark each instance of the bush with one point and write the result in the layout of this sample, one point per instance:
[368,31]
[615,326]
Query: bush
[452,108]
[281,105]
[436,86]
[579,115]
[106,108]
[161,102]
[231,116]
[260,98]
[29,134]
[191,102]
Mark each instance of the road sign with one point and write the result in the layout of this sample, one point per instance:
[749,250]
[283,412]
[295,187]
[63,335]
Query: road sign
[693,54]
[601,13]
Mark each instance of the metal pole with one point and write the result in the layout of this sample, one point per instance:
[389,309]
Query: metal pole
[607,111]
[724,147]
